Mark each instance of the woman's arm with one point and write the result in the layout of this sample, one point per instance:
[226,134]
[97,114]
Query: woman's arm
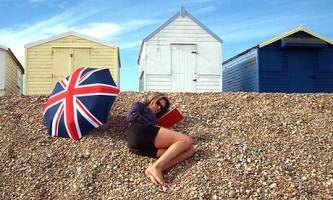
[135,114]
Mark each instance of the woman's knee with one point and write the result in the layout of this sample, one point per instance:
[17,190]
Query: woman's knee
[167,137]
[188,140]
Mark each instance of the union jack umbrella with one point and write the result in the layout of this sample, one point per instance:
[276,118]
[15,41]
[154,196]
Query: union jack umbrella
[80,102]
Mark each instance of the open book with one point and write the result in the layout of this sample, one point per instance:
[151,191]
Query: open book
[170,118]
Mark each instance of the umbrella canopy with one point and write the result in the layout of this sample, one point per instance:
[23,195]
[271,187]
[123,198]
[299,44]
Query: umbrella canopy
[80,102]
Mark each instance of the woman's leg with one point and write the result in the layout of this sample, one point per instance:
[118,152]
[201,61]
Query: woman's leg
[178,159]
[175,144]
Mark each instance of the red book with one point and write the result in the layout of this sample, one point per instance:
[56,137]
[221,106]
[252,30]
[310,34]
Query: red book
[170,118]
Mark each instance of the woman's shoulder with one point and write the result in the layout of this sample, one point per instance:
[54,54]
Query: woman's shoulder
[138,105]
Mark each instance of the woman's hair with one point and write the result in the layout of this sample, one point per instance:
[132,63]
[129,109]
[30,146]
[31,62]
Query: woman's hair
[154,97]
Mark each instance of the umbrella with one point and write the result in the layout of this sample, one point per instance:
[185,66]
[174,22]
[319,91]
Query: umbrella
[80,102]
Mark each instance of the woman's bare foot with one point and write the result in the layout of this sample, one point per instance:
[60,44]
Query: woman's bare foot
[155,175]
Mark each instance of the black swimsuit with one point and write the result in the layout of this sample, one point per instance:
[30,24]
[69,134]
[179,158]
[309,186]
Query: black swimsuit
[141,139]
[142,130]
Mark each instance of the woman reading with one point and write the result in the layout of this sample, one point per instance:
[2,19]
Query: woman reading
[146,138]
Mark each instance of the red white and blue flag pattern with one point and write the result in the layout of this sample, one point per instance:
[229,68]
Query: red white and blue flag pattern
[80,103]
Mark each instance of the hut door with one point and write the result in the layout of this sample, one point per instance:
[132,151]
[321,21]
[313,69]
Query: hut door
[183,67]
[81,58]
[62,63]
[301,70]
[66,60]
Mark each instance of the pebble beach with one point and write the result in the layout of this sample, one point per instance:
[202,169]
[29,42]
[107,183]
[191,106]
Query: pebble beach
[249,146]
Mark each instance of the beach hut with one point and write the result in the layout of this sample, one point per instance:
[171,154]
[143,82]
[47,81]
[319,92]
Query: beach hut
[294,62]
[182,55]
[11,72]
[52,59]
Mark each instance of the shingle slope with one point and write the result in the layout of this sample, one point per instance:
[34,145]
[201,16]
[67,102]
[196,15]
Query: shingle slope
[264,146]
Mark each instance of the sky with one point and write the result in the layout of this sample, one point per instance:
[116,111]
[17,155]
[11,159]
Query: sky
[241,24]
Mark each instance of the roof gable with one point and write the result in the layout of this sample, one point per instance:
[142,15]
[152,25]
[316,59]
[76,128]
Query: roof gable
[70,33]
[19,65]
[3,47]
[291,32]
[182,13]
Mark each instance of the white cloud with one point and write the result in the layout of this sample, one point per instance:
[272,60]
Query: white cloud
[205,10]
[200,1]
[139,23]
[106,30]
[100,30]
[16,38]
[37,1]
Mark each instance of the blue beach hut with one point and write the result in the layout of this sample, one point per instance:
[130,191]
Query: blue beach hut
[298,61]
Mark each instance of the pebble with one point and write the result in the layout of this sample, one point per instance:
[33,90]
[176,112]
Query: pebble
[272,186]
[232,193]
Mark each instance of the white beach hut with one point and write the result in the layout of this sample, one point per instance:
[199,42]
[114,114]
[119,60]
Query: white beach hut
[182,55]
[11,72]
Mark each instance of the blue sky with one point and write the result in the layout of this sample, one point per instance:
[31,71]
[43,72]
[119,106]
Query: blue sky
[240,23]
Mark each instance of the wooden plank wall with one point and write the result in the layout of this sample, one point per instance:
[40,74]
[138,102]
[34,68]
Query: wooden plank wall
[156,56]
[241,73]
[11,82]
[39,62]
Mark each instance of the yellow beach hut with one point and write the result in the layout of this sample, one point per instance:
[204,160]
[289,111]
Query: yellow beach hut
[11,72]
[50,60]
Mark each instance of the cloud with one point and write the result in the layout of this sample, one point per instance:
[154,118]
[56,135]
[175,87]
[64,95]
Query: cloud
[106,30]
[200,1]
[100,30]
[16,37]
[37,1]
[205,10]
[139,23]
